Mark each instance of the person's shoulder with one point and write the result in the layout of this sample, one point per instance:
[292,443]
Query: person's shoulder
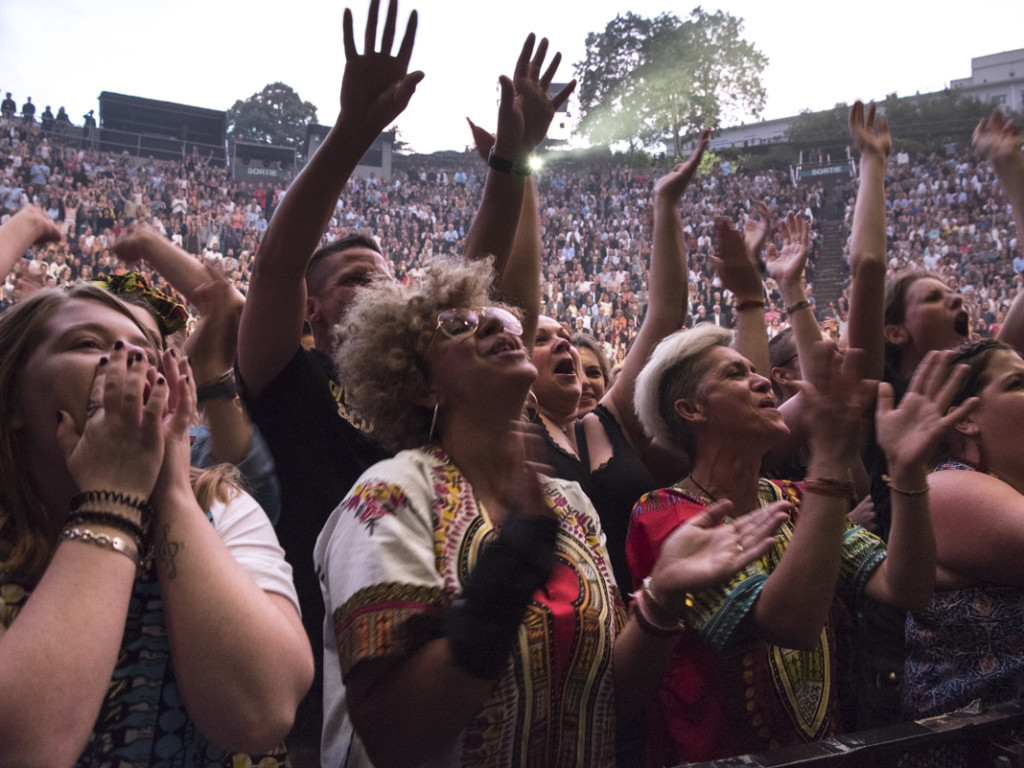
[411,469]
[666,498]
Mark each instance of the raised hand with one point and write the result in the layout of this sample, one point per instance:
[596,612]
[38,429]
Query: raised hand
[836,396]
[910,433]
[531,456]
[173,483]
[377,86]
[756,232]
[38,225]
[996,138]
[703,553]
[868,136]
[735,263]
[483,139]
[137,242]
[787,266]
[120,444]
[672,185]
[525,111]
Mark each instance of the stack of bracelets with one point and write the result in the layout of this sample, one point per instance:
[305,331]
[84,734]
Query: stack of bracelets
[130,516]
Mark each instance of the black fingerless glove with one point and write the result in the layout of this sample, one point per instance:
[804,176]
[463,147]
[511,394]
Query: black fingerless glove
[483,623]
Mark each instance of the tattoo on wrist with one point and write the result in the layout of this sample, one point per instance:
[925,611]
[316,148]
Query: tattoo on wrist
[167,550]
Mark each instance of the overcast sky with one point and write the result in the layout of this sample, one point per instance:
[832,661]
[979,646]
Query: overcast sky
[209,53]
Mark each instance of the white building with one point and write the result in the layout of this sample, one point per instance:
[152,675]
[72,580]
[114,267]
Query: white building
[998,77]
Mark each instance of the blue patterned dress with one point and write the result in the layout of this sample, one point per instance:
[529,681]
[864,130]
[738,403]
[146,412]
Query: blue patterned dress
[967,644]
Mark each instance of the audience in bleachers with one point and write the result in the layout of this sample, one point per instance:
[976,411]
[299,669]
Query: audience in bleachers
[594,250]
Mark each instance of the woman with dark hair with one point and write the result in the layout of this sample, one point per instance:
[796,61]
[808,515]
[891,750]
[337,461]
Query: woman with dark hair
[155,622]
[471,615]
[606,450]
[967,642]
[594,364]
[759,671]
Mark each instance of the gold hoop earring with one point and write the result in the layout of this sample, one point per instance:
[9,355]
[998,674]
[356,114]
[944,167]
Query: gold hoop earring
[433,423]
[532,402]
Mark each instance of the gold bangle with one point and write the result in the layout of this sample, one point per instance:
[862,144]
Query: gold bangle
[648,626]
[654,612]
[102,540]
[915,494]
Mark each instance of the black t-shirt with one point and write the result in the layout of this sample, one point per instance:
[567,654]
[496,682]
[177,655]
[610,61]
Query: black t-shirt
[319,454]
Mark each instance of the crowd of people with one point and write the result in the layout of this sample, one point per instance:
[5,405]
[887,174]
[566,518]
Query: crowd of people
[486,465]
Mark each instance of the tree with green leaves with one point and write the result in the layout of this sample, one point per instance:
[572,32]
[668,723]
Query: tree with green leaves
[608,92]
[276,115]
[829,127]
[647,80]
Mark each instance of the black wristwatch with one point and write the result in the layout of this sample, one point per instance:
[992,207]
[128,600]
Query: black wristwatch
[511,167]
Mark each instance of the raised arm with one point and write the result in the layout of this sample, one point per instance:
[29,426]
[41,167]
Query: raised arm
[908,435]
[999,141]
[29,226]
[668,283]
[376,87]
[738,265]
[519,281]
[786,267]
[182,270]
[796,597]
[524,115]
[242,657]
[868,241]
[211,350]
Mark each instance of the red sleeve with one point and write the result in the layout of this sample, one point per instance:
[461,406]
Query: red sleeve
[654,517]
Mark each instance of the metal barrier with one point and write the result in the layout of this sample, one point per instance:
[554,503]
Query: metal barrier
[982,737]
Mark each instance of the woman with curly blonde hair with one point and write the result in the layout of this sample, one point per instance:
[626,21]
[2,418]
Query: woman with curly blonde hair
[470,605]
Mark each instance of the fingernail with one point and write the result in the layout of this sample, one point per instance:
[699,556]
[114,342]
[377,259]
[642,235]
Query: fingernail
[118,345]
[60,417]
[174,352]
[160,380]
[103,361]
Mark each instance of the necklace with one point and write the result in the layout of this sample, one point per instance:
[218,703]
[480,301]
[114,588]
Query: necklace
[701,488]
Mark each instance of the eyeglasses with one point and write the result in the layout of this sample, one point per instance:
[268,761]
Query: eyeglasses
[463,322]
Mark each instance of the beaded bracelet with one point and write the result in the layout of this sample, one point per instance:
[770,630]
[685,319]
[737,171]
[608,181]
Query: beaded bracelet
[825,486]
[123,524]
[804,304]
[115,499]
[102,540]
